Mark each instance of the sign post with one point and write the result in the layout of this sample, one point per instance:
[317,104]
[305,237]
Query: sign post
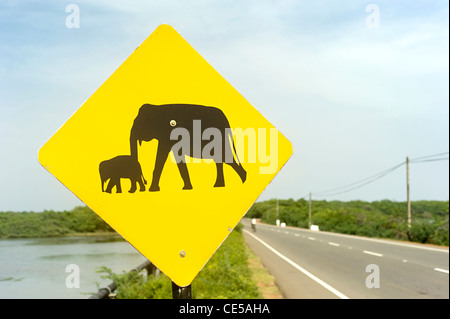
[169,154]
[181,292]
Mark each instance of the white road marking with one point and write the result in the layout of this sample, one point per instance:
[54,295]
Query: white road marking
[333,244]
[384,241]
[297,235]
[372,253]
[311,238]
[304,271]
[441,270]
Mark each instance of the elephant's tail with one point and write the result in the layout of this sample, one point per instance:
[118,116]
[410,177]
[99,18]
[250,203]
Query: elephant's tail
[237,165]
[145,182]
[230,138]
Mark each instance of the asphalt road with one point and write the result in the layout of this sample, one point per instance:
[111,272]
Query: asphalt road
[315,264]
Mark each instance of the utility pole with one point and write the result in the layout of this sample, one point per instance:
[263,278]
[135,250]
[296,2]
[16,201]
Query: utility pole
[309,220]
[407,193]
[277,220]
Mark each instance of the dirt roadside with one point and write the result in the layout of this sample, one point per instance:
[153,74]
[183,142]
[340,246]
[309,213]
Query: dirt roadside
[265,282]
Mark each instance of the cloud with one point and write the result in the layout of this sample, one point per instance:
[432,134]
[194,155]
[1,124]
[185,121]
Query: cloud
[353,100]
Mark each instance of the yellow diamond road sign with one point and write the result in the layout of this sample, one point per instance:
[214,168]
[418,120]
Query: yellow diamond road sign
[168,153]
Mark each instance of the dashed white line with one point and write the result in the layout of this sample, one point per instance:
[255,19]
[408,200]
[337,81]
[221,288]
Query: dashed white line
[311,238]
[441,270]
[442,250]
[372,253]
[333,244]
[307,273]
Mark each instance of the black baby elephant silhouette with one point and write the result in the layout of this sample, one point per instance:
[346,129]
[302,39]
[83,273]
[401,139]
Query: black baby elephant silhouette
[158,121]
[123,166]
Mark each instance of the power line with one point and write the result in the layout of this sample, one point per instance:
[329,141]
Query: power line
[363,182]
[360,183]
[428,156]
[368,180]
[431,158]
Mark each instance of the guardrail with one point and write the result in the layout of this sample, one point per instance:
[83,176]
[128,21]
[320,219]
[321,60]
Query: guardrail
[108,291]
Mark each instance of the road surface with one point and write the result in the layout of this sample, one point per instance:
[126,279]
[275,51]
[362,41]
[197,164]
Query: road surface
[316,264]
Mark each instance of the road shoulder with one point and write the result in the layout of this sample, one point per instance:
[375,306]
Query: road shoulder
[264,280]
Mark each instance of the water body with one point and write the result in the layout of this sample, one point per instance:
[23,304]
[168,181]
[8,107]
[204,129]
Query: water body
[36,268]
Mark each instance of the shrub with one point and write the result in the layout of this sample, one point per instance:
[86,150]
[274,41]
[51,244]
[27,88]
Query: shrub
[225,276]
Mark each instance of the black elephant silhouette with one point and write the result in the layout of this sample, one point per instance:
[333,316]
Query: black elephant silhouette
[158,121]
[122,166]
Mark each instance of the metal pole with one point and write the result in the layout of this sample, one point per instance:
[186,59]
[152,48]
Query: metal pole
[105,293]
[181,292]
[407,193]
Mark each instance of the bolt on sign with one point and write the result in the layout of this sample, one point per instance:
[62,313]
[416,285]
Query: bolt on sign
[168,153]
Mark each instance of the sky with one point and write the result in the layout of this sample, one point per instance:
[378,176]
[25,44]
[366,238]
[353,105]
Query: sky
[356,86]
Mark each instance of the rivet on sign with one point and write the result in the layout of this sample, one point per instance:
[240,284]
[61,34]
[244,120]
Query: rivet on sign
[182,254]
[173,123]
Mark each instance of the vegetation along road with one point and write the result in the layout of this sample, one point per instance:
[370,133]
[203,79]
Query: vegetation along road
[317,264]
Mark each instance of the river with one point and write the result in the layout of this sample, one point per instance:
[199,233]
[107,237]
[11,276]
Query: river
[40,267]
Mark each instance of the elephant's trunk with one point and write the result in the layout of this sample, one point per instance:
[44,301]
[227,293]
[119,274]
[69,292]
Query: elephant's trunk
[133,144]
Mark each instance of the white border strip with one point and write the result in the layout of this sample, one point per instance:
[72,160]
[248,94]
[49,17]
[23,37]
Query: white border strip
[307,273]
[441,270]
[333,244]
[372,253]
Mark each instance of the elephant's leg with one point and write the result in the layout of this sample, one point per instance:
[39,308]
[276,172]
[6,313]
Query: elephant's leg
[185,175]
[239,170]
[161,158]
[220,182]
[118,186]
[141,185]
[114,181]
[133,185]
[111,184]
